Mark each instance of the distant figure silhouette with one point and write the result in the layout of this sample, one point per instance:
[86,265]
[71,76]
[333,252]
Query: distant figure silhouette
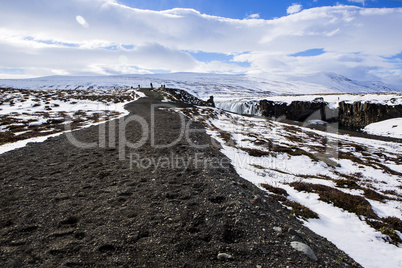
[211,101]
[152,87]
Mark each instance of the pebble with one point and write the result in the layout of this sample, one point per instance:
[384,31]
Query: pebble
[277,229]
[224,256]
[304,248]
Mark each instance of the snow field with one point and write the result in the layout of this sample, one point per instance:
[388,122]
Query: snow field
[33,116]
[388,128]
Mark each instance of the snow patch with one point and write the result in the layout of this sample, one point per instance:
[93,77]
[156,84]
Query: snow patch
[388,128]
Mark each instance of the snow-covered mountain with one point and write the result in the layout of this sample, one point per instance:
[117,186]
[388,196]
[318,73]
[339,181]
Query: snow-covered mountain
[346,85]
[222,86]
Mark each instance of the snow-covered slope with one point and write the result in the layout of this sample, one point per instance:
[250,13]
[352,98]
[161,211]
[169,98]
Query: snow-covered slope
[295,161]
[389,128]
[345,85]
[222,86]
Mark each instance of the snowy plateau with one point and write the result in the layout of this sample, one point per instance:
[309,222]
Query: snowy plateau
[351,186]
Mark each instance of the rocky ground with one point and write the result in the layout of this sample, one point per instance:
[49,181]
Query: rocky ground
[103,206]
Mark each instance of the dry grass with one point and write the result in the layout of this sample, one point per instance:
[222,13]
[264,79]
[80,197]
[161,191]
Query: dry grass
[373,195]
[392,192]
[226,136]
[7,136]
[300,210]
[347,183]
[297,209]
[352,203]
[387,226]
[275,190]
[388,170]
[350,156]
[255,152]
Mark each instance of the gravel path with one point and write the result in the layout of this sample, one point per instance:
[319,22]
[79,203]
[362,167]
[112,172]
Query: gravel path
[66,206]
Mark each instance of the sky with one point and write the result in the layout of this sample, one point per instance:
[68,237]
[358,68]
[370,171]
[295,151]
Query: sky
[357,38]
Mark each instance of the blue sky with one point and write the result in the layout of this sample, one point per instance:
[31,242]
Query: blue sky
[358,39]
[239,9]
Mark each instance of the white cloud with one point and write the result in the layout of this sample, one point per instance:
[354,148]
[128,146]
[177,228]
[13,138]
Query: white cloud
[253,16]
[294,8]
[82,21]
[53,36]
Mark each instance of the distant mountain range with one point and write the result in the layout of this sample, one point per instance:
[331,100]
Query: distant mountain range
[222,86]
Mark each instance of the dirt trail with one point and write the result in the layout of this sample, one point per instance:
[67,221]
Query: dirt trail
[62,205]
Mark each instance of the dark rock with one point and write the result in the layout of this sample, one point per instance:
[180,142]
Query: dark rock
[355,115]
[106,248]
[272,109]
[303,110]
[361,114]
[185,97]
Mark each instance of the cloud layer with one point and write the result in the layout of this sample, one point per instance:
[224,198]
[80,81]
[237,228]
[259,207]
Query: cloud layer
[45,37]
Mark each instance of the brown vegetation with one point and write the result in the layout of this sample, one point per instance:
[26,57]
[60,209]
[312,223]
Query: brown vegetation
[275,190]
[352,203]
[300,210]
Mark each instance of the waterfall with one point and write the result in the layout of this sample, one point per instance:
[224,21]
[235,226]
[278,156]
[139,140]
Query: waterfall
[240,107]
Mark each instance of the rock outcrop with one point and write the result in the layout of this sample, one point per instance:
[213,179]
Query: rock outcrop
[272,108]
[302,110]
[182,96]
[361,114]
[354,115]
[297,110]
